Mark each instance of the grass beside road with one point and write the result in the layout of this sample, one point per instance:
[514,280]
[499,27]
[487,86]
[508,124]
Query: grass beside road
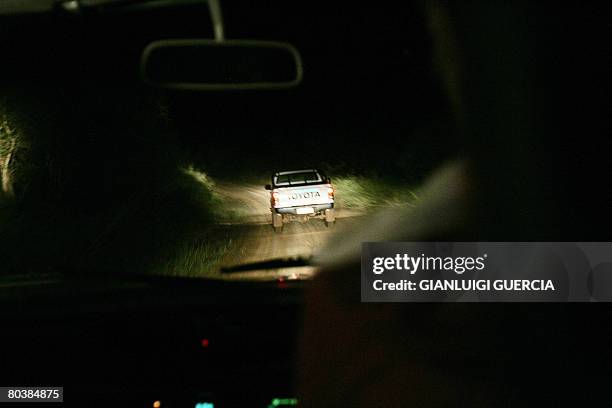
[199,256]
[162,228]
[367,194]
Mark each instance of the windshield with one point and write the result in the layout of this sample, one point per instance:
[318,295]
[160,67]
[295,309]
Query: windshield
[104,173]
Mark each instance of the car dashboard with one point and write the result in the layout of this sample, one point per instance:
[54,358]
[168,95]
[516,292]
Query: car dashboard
[155,343]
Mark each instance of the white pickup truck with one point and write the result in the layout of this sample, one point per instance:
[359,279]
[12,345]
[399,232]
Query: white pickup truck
[301,195]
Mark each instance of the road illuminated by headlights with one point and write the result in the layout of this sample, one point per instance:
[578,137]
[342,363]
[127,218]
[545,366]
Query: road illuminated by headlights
[254,240]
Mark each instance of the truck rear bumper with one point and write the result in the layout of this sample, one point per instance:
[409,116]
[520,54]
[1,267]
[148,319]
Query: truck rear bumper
[318,208]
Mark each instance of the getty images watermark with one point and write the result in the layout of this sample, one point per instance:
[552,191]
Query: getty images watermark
[486,271]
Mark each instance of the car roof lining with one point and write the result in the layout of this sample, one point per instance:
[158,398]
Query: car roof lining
[16,7]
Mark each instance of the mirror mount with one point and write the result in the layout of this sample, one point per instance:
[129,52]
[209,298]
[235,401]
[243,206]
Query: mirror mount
[217,19]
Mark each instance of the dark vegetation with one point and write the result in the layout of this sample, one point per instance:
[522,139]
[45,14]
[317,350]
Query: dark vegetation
[95,183]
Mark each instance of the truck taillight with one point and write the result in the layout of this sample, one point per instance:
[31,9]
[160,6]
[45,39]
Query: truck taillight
[274,198]
[330,193]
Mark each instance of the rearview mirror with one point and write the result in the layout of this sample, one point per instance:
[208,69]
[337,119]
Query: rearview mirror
[213,65]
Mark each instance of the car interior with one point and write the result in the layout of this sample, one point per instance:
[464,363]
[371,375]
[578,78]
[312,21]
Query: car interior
[138,263]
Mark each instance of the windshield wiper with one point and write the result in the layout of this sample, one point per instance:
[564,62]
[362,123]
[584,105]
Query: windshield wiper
[276,263]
